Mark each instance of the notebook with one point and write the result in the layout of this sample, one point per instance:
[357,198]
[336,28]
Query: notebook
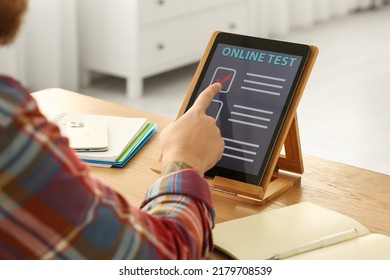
[299,231]
[130,151]
[123,132]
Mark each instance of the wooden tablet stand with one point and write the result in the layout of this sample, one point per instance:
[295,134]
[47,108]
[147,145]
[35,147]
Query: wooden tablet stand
[281,174]
[283,171]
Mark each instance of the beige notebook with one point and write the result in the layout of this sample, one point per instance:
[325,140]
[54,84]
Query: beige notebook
[300,231]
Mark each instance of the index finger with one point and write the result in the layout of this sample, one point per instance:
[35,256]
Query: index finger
[204,99]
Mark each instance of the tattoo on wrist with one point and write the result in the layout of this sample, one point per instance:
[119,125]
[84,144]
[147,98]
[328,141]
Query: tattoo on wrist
[175,166]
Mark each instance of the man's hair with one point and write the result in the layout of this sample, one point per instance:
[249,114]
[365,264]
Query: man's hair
[11,16]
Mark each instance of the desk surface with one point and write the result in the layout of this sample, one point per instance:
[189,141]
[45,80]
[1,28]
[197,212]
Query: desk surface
[361,194]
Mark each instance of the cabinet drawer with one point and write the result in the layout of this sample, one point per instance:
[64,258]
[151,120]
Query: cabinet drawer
[155,10]
[186,39]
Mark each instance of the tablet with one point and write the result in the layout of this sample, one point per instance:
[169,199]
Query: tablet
[259,78]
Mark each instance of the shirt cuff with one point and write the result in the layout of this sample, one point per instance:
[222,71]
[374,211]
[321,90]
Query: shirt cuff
[184,182]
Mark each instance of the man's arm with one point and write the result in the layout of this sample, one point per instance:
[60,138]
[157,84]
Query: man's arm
[54,209]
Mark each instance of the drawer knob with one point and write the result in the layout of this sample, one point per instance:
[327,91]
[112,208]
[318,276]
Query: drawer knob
[160,46]
[232,26]
[161,2]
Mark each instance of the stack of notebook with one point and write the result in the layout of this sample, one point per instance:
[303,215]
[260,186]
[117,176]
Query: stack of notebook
[125,137]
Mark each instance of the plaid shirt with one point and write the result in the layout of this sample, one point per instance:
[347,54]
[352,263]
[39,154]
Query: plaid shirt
[52,208]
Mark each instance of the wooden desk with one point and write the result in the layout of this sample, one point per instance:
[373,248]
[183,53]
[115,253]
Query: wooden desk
[361,194]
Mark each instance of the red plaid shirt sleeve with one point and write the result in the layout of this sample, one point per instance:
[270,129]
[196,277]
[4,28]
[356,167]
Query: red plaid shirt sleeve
[52,208]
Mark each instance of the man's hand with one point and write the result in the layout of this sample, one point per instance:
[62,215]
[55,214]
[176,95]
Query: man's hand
[194,140]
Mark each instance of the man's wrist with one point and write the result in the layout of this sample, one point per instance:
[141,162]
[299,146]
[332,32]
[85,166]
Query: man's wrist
[174,166]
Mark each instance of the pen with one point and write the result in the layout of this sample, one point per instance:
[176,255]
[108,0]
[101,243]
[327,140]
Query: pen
[316,244]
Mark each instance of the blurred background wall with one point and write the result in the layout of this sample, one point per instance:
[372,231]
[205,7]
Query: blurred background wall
[47,52]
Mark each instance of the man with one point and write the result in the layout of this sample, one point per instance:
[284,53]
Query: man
[52,208]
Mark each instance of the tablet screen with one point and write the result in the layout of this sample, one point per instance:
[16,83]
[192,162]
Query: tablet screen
[258,78]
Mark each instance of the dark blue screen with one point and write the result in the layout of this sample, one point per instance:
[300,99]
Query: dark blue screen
[248,109]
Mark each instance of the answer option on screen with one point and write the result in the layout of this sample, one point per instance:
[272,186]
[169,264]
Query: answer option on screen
[225,76]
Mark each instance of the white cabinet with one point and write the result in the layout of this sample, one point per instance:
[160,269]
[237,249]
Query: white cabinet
[137,39]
